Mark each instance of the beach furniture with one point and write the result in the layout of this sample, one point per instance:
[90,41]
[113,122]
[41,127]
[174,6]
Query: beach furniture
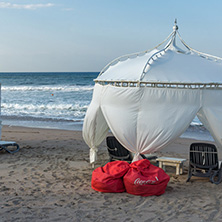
[109,178]
[118,152]
[203,162]
[10,147]
[170,161]
[145,179]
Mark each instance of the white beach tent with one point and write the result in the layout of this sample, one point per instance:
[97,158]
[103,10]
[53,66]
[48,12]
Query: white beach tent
[148,99]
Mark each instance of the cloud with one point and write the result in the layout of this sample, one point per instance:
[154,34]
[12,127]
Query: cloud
[27,6]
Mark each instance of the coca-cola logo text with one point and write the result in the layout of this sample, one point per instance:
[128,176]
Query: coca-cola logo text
[138,181]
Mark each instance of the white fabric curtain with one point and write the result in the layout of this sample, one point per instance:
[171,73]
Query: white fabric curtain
[147,119]
[95,127]
[0,112]
[211,113]
[142,119]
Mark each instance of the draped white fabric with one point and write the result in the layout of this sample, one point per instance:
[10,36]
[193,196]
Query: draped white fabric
[211,113]
[169,66]
[95,127]
[145,119]
[129,69]
[142,118]
[183,68]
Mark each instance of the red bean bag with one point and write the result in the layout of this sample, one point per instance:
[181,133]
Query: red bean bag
[109,178]
[145,179]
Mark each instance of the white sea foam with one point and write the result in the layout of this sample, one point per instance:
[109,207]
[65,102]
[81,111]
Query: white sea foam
[73,88]
[62,111]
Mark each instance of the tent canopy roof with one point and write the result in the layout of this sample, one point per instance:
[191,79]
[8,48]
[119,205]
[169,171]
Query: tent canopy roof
[168,65]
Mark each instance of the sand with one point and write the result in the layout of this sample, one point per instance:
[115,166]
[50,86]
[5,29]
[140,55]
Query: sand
[49,180]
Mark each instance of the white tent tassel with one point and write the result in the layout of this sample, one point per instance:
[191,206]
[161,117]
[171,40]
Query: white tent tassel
[137,157]
[93,155]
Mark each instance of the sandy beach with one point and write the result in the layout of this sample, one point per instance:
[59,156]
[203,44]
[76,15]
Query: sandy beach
[49,179]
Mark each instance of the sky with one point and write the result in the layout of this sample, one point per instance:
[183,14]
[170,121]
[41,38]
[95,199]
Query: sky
[85,35]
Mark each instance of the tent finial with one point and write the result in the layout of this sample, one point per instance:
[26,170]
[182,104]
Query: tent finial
[175,27]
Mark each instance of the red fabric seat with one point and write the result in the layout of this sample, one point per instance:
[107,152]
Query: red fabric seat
[109,178]
[145,179]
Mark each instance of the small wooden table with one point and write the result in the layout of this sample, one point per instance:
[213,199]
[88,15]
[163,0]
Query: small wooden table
[170,161]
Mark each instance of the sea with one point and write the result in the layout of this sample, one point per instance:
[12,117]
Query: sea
[56,100]
[46,100]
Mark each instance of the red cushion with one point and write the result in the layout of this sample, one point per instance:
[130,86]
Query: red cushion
[145,179]
[109,178]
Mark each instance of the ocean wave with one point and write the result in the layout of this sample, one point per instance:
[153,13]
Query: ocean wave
[34,118]
[73,88]
[62,111]
[71,107]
